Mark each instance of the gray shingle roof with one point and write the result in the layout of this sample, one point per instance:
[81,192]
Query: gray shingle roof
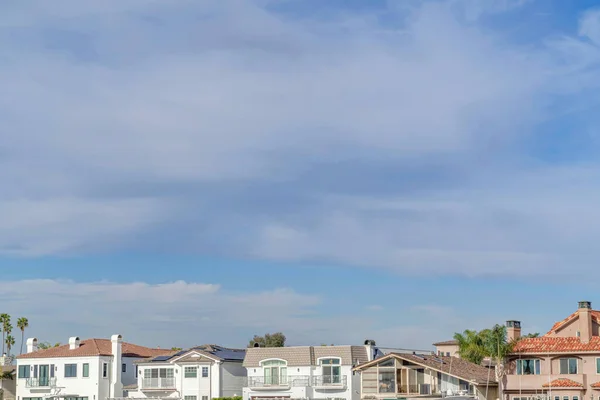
[305,355]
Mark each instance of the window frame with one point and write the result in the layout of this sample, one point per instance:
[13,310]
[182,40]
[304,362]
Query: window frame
[123,368]
[190,372]
[537,366]
[85,370]
[105,370]
[568,360]
[275,363]
[190,397]
[72,368]
[334,364]
[205,372]
[26,369]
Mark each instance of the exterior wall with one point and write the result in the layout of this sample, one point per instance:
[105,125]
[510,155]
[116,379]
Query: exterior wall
[9,389]
[232,379]
[571,329]
[447,350]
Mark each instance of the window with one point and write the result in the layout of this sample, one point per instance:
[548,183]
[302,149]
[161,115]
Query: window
[204,397]
[105,370]
[386,382]
[275,372]
[189,397]
[556,397]
[23,371]
[565,397]
[124,367]
[331,370]
[568,366]
[70,370]
[158,373]
[447,354]
[205,372]
[528,367]
[52,369]
[35,371]
[190,372]
[136,371]
[575,397]
[598,365]
[86,370]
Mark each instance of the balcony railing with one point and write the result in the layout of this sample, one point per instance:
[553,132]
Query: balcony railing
[40,382]
[329,380]
[158,383]
[277,381]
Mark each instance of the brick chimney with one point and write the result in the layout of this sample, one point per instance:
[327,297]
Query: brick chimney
[585,321]
[513,330]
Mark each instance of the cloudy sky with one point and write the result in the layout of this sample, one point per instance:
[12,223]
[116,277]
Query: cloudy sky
[184,172]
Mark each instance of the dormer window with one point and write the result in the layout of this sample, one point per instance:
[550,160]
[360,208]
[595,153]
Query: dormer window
[275,372]
[331,370]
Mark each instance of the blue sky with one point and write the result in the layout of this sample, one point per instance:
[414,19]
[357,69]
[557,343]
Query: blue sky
[190,172]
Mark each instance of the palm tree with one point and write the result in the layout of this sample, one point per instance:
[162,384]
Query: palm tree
[5,321]
[22,323]
[498,347]
[7,375]
[471,345]
[10,342]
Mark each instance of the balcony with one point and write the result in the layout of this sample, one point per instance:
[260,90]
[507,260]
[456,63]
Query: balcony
[158,383]
[329,381]
[40,383]
[277,383]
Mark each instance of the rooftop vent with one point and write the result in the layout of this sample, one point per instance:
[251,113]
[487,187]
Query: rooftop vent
[585,304]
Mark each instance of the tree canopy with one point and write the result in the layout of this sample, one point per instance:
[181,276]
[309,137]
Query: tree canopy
[268,340]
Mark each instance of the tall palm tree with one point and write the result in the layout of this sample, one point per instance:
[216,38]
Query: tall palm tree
[5,321]
[22,324]
[471,345]
[10,342]
[498,347]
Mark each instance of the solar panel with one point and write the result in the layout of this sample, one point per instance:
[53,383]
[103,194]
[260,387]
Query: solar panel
[161,358]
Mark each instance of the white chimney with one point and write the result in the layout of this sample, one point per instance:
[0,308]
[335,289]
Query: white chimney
[32,345]
[115,373]
[74,342]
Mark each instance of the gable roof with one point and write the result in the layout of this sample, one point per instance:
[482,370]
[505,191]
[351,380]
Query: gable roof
[298,356]
[561,324]
[211,351]
[95,347]
[452,366]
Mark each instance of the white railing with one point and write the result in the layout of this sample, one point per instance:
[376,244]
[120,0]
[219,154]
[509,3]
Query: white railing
[40,382]
[158,383]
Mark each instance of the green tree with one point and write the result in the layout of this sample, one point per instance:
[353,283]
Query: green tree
[47,345]
[10,342]
[268,340]
[22,324]
[6,328]
[471,345]
[6,375]
[498,347]
[532,335]
[176,349]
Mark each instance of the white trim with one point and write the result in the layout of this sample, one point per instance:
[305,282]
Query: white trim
[203,354]
[260,363]
[327,358]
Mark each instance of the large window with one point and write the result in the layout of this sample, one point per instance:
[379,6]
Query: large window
[528,367]
[70,370]
[189,397]
[158,373]
[191,372]
[387,381]
[598,365]
[568,366]
[24,371]
[86,370]
[275,372]
[331,370]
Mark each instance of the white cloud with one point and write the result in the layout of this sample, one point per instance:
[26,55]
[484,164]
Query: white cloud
[400,146]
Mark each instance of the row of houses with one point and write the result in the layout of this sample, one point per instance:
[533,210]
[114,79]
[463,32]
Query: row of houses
[563,364]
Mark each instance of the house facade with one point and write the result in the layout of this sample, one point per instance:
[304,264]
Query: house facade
[563,364]
[92,369]
[200,373]
[404,376]
[305,372]
[448,348]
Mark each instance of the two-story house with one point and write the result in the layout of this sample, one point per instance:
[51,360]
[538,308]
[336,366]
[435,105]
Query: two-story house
[305,372]
[563,364]
[92,369]
[448,348]
[199,373]
[405,375]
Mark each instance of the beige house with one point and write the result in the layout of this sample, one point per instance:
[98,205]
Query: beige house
[564,364]
[449,348]
[403,376]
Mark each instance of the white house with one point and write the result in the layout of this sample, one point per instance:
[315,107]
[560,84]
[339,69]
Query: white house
[305,372]
[92,369]
[199,373]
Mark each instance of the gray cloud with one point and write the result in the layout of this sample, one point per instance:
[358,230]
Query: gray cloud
[226,127]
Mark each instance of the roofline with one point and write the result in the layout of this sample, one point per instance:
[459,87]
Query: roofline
[547,353]
[446,342]
[390,355]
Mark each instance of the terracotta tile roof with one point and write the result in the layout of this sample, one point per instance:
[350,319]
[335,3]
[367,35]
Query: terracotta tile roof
[595,385]
[453,366]
[297,356]
[96,347]
[594,313]
[563,383]
[547,344]
[452,342]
